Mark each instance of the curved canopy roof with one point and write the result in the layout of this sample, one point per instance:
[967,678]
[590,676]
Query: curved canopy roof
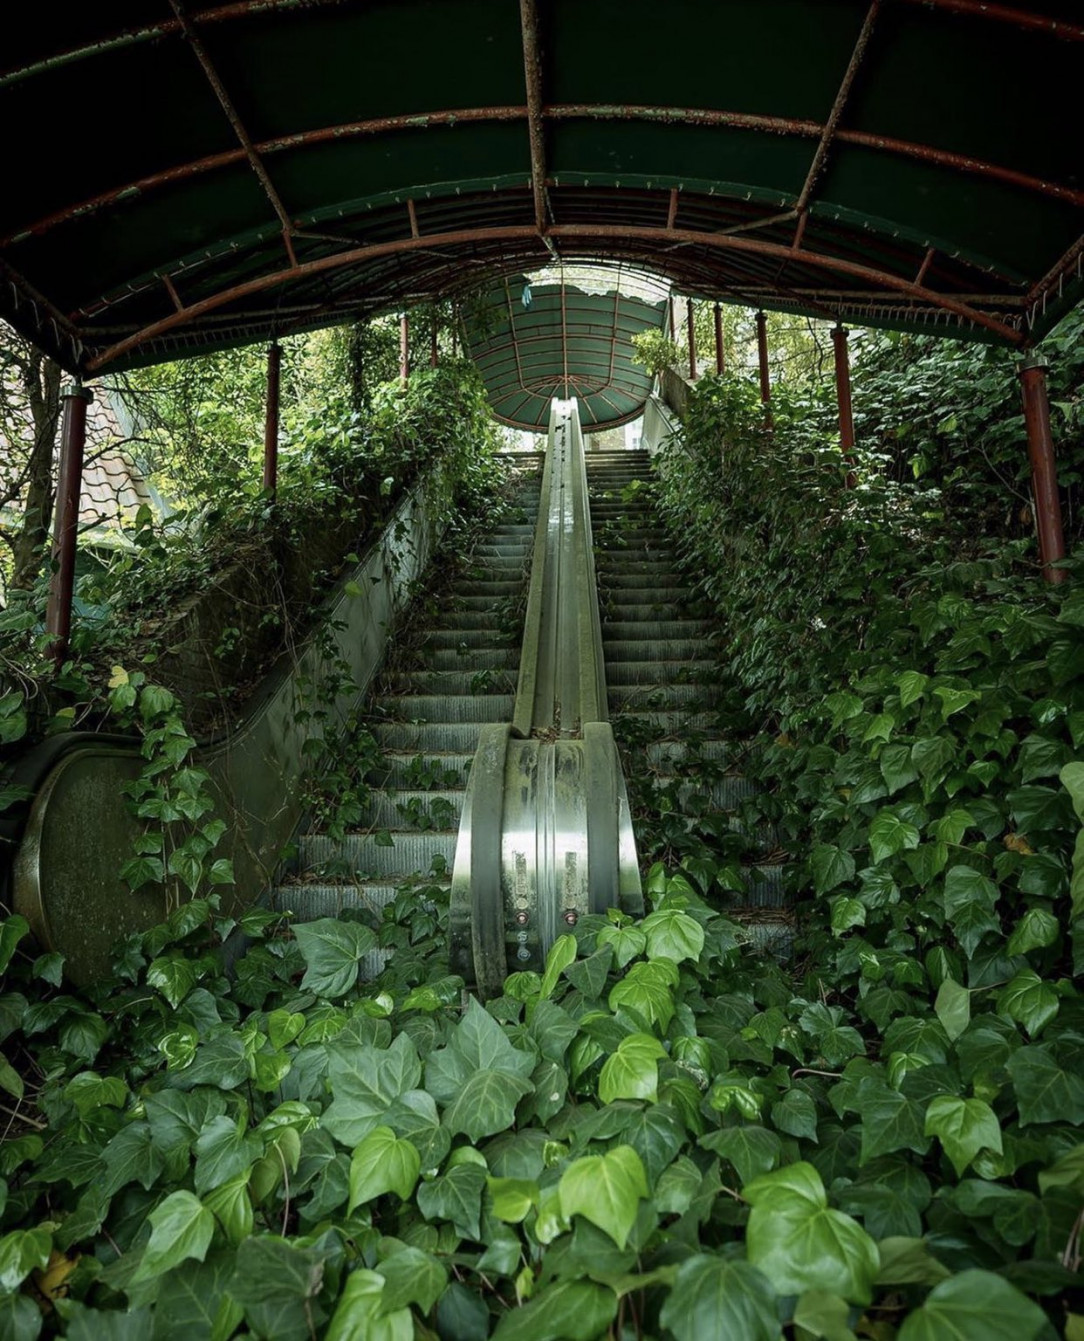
[236,169]
[566,331]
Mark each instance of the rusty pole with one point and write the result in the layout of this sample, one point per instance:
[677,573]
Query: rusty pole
[58,617]
[404,347]
[843,396]
[762,355]
[271,419]
[433,353]
[720,358]
[692,338]
[1044,474]
[673,320]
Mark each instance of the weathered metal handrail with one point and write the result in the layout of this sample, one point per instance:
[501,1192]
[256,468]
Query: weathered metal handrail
[546,834]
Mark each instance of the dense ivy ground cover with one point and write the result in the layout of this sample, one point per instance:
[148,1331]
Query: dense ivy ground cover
[665,1135]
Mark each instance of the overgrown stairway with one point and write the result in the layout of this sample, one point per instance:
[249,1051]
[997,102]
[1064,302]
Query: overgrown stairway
[661,677]
[454,670]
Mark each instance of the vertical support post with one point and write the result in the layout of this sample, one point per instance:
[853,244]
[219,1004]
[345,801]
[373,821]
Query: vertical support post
[692,338]
[1044,474]
[58,617]
[404,347]
[271,419]
[762,356]
[673,318]
[433,352]
[720,358]
[843,397]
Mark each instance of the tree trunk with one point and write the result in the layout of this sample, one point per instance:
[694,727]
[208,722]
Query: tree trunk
[41,378]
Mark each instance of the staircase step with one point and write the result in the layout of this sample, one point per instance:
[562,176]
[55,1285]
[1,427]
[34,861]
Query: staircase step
[429,737]
[446,707]
[409,854]
[660,650]
[422,810]
[413,770]
[476,658]
[452,683]
[667,673]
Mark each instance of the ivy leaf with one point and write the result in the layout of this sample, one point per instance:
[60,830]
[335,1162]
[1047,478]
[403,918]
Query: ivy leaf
[912,686]
[513,1198]
[366,1080]
[964,1127]
[455,1196]
[974,1304]
[231,1206]
[889,834]
[276,1284]
[953,1008]
[632,1071]
[572,1310]
[222,1151]
[605,1189]
[712,1297]
[831,866]
[796,1114]
[897,768]
[1029,1001]
[799,1243]
[751,1150]
[411,1277]
[648,989]
[1035,931]
[486,1104]
[181,1227]
[1046,1091]
[562,953]
[890,1122]
[131,1157]
[627,943]
[332,951]
[382,1163]
[672,934]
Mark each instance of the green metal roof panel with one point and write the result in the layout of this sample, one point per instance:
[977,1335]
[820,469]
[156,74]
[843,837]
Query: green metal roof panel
[565,331]
[259,166]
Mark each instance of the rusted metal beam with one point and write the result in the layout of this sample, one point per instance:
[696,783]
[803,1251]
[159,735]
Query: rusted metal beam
[720,355]
[1039,293]
[435,120]
[404,347]
[1018,18]
[512,330]
[226,103]
[843,399]
[434,353]
[239,9]
[412,215]
[532,70]
[691,328]
[58,615]
[271,419]
[594,237]
[831,126]
[1044,471]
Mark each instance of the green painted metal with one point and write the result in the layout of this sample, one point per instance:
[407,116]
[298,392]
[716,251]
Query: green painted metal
[244,168]
[565,331]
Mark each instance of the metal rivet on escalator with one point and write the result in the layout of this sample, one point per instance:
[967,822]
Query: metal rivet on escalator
[523,953]
[523,918]
[572,917]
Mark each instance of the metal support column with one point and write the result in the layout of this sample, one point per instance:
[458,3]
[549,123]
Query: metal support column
[843,396]
[433,354]
[720,358]
[692,338]
[1044,474]
[404,347]
[271,419]
[58,617]
[762,357]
